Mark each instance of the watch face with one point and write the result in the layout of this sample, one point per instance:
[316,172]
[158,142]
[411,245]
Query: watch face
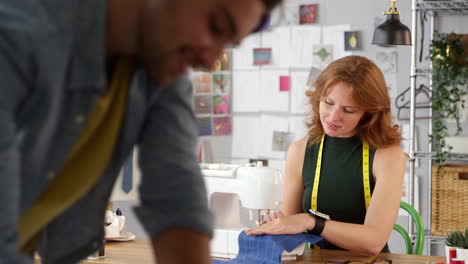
[321,215]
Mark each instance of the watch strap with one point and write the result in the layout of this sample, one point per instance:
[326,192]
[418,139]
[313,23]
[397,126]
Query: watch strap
[318,227]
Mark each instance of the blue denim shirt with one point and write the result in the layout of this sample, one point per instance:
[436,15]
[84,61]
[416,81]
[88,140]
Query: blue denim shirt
[52,72]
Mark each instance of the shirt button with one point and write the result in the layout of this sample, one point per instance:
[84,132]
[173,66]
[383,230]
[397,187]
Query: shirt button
[79,119]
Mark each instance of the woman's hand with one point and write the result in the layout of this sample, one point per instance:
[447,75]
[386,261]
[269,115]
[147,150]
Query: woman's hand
[291,224]
[272,216]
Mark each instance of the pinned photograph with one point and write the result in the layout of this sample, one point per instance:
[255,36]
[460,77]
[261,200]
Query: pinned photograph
[221,104]
[204,126]
[307,14]
[281,140]
[223,63]
[222,126]
[261,56]
[202,104]
[221,83]
[322,55]
[352,41]
[202,83]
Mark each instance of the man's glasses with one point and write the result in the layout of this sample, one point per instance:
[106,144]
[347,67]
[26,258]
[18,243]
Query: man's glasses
[263,24]
[374,261]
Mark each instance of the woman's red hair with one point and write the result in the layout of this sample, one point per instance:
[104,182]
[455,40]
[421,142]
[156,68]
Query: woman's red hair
[370,93]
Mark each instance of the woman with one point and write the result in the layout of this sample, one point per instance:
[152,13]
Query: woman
[350,110]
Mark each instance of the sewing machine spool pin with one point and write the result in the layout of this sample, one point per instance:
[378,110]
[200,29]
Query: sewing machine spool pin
[262,215]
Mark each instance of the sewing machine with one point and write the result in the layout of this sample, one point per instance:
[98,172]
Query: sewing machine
[253,186]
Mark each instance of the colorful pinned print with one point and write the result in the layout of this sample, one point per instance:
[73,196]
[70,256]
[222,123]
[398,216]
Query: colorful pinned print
[307,14]
[221,104]
[281,140]
[322,54]
[222,126]
[261,56]
[223,63]
[204,126]
[352,41]
[221,83]
[202,104]
[202,83]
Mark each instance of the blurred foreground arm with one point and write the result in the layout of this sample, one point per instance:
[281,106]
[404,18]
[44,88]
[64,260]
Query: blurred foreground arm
[180,246]
[174,205]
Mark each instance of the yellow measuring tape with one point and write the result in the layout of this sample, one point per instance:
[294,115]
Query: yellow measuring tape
[365,175]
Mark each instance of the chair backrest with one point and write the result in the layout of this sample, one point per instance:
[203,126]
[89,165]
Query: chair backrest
[419,241]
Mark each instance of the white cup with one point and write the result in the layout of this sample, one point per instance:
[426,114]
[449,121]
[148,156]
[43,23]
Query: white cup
[113,230]
[121,222]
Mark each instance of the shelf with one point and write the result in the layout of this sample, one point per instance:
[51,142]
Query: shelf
[423,72]
[431,155]
[445,7]
[433,9]
[434,239]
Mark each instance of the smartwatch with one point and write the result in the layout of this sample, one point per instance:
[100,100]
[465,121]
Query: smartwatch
[320,219]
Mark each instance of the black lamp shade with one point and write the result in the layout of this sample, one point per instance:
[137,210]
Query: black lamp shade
[392,32]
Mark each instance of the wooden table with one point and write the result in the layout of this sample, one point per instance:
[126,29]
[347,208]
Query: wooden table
[311,256]
[139,252]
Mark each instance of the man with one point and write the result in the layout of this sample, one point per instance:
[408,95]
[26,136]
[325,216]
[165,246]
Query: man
[70,114]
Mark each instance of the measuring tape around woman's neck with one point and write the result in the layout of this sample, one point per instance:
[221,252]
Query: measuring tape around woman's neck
[365,174]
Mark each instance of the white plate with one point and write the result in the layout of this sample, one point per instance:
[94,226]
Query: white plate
[124,236]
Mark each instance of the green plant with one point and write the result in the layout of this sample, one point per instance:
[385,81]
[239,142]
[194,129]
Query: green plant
[449,76]
[457,239]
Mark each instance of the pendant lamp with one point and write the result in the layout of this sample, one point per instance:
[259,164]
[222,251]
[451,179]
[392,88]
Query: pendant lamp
[392,31]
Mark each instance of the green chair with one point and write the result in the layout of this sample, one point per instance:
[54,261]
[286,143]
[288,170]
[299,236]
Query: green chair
[419,243]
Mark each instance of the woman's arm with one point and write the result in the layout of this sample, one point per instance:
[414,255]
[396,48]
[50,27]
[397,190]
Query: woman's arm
[371,237]
[293,185]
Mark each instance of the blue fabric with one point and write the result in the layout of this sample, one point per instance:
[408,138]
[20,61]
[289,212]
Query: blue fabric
[290,242]
[267,249]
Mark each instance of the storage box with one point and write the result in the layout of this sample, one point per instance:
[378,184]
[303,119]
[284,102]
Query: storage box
[449,199]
